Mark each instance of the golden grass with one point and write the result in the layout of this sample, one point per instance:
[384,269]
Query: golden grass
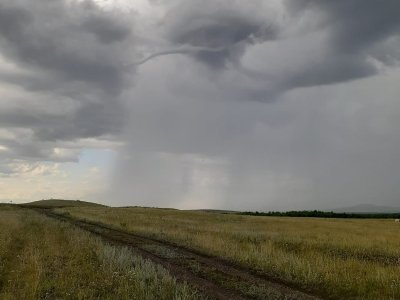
[41,258]
[338,258]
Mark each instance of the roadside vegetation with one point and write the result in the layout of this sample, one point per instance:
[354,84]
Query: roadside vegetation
[336,258]
[41,258]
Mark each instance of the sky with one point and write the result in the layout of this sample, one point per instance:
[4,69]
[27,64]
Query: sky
[225,104]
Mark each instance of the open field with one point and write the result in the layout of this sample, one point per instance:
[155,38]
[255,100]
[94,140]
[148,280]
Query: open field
[332,258]
[41,258]
[97,252]
[212,276]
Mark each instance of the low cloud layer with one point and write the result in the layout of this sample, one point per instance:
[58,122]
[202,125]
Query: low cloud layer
[262,105]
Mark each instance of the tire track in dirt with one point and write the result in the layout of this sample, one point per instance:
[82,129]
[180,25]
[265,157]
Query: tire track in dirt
[216,278]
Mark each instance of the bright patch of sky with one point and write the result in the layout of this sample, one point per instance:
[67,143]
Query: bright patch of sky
[88,179]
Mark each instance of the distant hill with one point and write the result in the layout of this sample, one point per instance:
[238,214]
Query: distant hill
[61,203]
[367,208]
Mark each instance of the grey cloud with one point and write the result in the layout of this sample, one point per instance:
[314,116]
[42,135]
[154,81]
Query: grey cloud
[106,30]
[216,25]
[354,30]
[314,147]
[225,34]
[90,120]
[32,151]
[336,68]
[87,119]
[68,41]
[354,24]
[193,134]
[13,20]
[64,50]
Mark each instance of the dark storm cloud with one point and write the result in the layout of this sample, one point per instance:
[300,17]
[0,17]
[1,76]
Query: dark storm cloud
[353,30]
[227,33]
[90,120]
[354,24]
[106,29]
[220,25]
[47,129]
[75,51]
[350,32]
[192,129]
[13,20]
[306,142]
[73,41]
[336,68]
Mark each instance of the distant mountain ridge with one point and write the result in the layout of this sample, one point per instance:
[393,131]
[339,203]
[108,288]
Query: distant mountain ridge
[367,208]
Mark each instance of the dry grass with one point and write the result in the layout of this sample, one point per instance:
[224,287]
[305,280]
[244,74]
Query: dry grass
[44,259]
[339,258]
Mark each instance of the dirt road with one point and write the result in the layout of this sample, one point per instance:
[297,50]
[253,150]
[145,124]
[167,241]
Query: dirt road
[216,278]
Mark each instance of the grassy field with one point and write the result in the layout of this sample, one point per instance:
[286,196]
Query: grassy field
[45,259]
[337,258]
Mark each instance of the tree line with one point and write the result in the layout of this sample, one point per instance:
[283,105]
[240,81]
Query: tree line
[323,214]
